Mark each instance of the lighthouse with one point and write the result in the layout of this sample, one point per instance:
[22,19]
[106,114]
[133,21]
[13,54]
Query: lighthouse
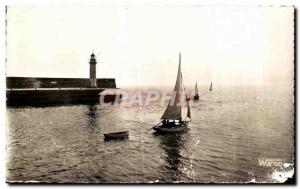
[93,62]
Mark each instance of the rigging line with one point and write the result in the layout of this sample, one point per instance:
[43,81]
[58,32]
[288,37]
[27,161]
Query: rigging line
[186,97]
[183,85]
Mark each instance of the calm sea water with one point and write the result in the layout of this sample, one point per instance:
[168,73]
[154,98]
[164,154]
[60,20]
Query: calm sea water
[231,128]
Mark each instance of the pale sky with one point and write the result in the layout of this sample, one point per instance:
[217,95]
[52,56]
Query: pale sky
[140,44]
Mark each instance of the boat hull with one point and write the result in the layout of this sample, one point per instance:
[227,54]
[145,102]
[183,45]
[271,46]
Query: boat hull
[196,97]
[115,136]
[183,127]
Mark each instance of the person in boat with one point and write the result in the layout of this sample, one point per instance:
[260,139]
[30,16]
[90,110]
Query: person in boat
[180,120]
[164,122]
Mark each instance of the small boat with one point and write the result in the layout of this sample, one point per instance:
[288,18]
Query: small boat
[117,135]
[196,97]
[210,89]
[171,120]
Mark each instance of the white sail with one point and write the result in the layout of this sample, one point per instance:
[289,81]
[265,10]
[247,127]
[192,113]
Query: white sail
[173,110]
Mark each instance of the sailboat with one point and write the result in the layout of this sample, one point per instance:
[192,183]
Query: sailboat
[171,120]
[210,89]
[196,97]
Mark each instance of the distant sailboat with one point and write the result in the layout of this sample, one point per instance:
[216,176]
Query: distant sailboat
[196,97]
[210,89]
[171,120]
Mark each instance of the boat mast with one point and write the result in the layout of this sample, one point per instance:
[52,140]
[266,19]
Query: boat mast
[179,86]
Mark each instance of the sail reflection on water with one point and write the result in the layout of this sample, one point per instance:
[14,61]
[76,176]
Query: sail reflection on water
[175,157]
